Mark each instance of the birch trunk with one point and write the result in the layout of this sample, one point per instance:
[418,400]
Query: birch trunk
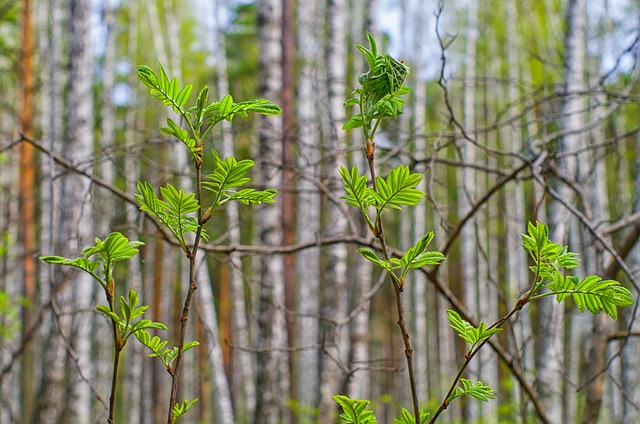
[140,367]
[516,221]
[50,399]
[76,214]
[243,366]
[551,332]
[359,385]
[308,208]
[273,380]
[631,353]
[466,191]
[335,291]
[208,315]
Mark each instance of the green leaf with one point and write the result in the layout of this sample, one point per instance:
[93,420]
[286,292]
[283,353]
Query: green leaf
[80,263]
[225,105]
[353,101]
[172,213]
[399,189]
[478,390]
[250,196]
[417,255]
[468,332]
[370,256]
[358,194]
[182,408]
[354,411]
[226,109]
[355,121]
[181,134]
[103,309]
[598,295]
[115,248]
[229,174]
[407,417]
[163,89]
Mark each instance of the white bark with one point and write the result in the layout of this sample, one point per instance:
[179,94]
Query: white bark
[308,206]
[551,332]
[517,267]
[631,352]
[243,367]
[51,403]
[208,315]
[335,291]
[273,379]
[77,215]
[139,365]
[471,272]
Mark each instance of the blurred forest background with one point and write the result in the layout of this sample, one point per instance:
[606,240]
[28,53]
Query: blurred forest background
[534,115]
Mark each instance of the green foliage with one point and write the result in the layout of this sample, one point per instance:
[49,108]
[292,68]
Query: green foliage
[472,335]
[157,346]
[183,212]
[168,91]
[407,418]
[354,410]
[126,324]
[394,192]
[477,390]
[165,90]
[229,174]
[115,248]
[416,257]
[379,96]
[592,293]
[182,408]
[173,212]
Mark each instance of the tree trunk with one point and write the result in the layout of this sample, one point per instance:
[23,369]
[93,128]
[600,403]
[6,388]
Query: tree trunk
[76,226]
[208,315]
[471,272]
[51,396]
[551,331]
[273,379]
[27,191]
[243,366]
[308,208]
[335,289]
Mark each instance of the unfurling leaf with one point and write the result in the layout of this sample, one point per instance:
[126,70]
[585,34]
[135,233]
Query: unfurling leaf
[354,410]
[370,256]
[468,332]
[398,189]
[479,390]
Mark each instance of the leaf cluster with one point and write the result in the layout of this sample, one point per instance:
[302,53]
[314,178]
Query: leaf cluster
[472,335]
[394,192]
[128,323]
[182,408]
[227,176]
[591,293]
[415,257]
[115,248]
[158,348]
[175,212]
[381,89]
[201,117]
[354,410]
[407,418]
[478,390]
